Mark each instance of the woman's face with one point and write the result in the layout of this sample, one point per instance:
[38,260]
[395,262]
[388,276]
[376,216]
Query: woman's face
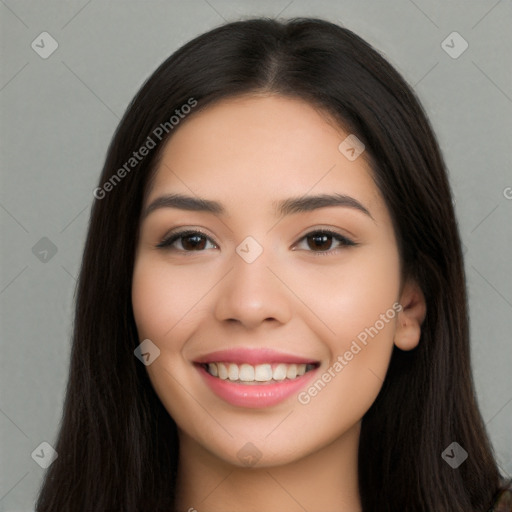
[256,290]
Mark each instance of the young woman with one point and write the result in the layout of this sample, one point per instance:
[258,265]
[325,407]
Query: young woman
[271,311]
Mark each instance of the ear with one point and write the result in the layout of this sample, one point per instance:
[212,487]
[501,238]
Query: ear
[410,318]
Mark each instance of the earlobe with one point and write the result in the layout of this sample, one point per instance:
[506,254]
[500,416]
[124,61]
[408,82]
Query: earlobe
[411,317]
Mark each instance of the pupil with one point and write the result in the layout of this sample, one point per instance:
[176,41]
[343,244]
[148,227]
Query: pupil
[321,241]
[196,244]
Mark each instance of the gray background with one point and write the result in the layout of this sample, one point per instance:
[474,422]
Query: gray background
[58,116]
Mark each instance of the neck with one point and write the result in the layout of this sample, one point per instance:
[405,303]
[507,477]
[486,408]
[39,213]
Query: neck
[323,480]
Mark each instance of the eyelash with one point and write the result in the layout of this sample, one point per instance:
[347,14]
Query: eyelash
[173,237]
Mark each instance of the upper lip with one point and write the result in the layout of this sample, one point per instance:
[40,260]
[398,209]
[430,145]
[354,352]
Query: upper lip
[252,356]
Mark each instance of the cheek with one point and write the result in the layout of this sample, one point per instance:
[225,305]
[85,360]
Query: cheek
[357,306]
[165,299]
[166,304]
[347,298]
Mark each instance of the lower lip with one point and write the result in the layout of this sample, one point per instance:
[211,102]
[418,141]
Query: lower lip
[255,395]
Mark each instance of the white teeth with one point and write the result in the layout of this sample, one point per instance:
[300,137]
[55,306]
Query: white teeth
[233,372]
[223,371]
[279,372]
[212,368]
[258,373]
[246,373]
[291,371]
[263,372]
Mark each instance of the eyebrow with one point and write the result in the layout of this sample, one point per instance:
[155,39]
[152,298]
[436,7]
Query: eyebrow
[283,207]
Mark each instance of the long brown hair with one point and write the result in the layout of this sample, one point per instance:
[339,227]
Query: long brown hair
[117,445]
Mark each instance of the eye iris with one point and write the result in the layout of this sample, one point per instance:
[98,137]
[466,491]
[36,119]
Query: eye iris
[198,242]
[321,241]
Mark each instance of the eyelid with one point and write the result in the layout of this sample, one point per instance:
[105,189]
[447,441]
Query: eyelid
[333,230]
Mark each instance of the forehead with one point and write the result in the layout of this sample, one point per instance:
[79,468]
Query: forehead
[258,148]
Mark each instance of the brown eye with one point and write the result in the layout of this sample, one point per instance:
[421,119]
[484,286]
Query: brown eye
[321,242]
[188,240]
[193,242]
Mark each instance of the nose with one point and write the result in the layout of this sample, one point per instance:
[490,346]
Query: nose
[252,295]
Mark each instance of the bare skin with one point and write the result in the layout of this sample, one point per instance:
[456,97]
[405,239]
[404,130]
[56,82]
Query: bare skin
[248,153]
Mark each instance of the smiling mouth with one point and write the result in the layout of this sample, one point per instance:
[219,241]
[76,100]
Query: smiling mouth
[265,373]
